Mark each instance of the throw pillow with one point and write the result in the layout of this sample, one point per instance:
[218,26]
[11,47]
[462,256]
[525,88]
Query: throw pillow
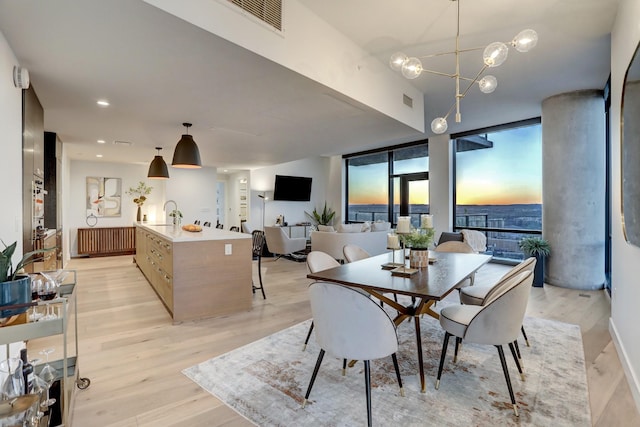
[349,228]
[366,226]
[380,226]
[328,228]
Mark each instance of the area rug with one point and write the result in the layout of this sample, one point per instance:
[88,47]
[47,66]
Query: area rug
[265,382]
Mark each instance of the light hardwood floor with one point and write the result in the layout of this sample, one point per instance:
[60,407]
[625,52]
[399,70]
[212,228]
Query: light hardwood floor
[134,355]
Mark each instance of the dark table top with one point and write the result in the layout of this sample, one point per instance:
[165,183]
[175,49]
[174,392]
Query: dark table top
[432,283]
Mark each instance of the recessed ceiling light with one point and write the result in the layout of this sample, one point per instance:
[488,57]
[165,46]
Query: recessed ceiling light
[103,103]
[225,170]
[98,155]
[101,141]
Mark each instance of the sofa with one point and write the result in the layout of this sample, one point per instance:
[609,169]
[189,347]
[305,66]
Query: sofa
[372,237]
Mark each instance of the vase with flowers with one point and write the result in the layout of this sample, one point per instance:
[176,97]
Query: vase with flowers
[139,194]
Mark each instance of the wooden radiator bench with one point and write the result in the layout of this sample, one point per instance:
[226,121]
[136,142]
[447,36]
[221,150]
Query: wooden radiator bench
[104,241]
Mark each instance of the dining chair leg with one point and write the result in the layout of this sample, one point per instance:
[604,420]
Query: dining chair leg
[367,382]
[397,368]
[515,344]
[517,360]
[455,352]
[344,367]
[419,345]
[506,376]
[313,377]
[524,334]
[304,346]
[260,276]
[442,356]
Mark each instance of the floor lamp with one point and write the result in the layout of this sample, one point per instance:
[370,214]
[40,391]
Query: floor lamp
[264,199]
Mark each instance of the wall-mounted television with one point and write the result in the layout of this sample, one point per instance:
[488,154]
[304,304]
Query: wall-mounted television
[292,188]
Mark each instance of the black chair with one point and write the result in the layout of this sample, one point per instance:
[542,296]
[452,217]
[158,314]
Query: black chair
[207,224]
[219,226]
[258,243]
[234,228]
[196,222]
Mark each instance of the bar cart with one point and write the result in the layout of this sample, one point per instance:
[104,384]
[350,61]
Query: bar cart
[62,310]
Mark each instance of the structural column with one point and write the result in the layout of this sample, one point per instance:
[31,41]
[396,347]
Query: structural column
[573,195]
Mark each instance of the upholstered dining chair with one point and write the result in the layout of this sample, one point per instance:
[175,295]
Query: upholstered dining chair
[234,228]
[351,326]
[459,247]
[354,253]
[196,222]
[219,226]
[279,243]
[481,294]
[496,323]
[207,224]
[318,261]
[256,249]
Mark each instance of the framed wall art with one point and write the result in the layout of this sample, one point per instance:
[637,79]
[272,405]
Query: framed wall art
[104,197]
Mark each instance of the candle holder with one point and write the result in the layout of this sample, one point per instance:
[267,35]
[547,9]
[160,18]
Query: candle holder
[393,264]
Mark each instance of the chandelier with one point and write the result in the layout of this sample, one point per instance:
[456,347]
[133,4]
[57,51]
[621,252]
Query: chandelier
[493,56]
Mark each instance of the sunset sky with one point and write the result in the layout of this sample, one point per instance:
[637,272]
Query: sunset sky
[508,173]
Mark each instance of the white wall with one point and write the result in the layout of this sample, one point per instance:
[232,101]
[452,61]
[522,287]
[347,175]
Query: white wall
[194,190]
[262,181]
[625,294]
[11,155]
[10,152]
[75,209]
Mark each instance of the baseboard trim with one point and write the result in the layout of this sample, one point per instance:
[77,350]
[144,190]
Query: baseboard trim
[632,379]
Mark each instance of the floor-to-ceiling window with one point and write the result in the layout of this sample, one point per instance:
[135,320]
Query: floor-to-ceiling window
[498,185]
[386,183]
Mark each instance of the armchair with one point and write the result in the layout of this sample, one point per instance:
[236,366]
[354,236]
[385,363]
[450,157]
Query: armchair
[281,245]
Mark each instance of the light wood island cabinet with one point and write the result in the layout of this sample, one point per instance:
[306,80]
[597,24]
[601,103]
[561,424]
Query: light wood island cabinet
[196,275]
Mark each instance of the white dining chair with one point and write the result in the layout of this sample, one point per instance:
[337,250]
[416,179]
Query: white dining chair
[457,247]
[354,253]
[318,261]
[351,326]
[496,323]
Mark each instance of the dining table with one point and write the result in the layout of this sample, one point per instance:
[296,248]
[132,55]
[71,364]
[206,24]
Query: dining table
[426,286]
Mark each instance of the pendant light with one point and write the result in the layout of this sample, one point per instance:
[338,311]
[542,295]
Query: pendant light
[186,154]
[158,168]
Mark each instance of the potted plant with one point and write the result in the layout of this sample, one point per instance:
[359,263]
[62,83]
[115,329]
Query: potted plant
[322,218]
[540,249]
[140,194]
[418,240]
[176,215]
[15,287]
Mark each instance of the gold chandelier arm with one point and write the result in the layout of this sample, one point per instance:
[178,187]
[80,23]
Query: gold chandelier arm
[439,73]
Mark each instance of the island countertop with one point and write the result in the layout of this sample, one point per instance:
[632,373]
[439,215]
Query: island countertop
[176,234]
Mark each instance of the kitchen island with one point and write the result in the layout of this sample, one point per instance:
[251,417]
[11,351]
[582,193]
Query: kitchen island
[196,274]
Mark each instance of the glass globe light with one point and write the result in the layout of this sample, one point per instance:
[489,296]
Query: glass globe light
[495,54]
[411,68]
[396,61]
[525,40]
[439,125]
[488,84]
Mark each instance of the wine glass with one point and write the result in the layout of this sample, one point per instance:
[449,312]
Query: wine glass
[36,285]
[48,290]
[13,385]
[48,372]
[41,387]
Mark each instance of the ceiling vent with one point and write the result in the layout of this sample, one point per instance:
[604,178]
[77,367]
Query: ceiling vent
[268,11]
[122,143]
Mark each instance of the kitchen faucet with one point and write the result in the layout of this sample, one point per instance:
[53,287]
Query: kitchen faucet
[164,208]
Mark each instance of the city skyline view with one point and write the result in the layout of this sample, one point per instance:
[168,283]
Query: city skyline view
[508,173]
